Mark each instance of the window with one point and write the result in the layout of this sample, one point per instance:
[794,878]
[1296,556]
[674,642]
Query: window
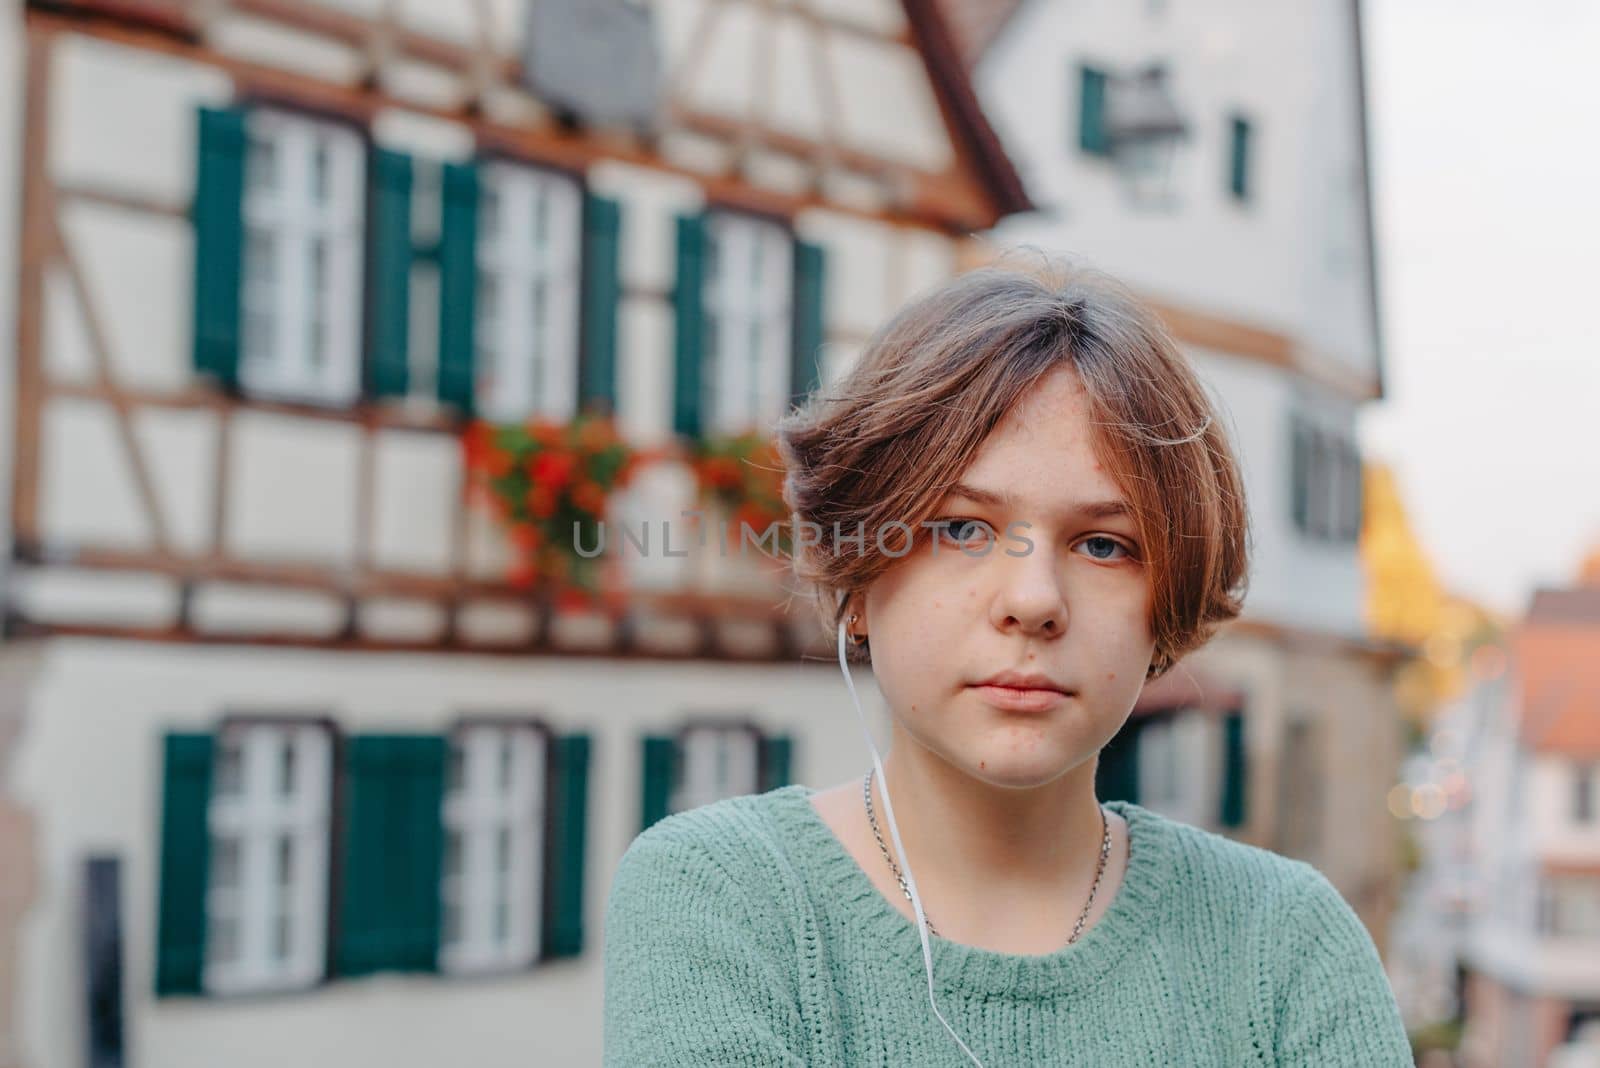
[527,311]
[266,894]
[494,817]
[1584,778]
[709,760]
[748,289]
[1569,906]
[1179,772]
[1239,145]
[1326,477]
[718,761]
[300,295]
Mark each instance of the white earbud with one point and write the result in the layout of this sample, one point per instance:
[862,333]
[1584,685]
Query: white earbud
[905,861]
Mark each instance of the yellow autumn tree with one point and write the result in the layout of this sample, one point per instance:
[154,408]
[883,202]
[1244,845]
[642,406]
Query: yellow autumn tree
[1407,603]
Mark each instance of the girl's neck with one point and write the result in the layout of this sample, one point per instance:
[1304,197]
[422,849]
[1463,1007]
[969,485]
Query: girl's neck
[978,846]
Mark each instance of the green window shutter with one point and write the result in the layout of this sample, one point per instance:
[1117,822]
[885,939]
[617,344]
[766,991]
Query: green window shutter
[660,758]
[185,851]
[1239,157]
[689,321]
[392,840]
[602,289]
[1235,770]
[566,852]
[458,284]
[1116,775]
[777,751]
[810,264]
[217,215]
[1093,137]
[389,288]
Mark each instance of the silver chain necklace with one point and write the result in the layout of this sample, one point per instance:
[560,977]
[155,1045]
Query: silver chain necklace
[1105,851]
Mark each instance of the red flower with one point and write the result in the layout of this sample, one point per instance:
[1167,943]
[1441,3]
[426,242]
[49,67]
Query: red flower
[552,469]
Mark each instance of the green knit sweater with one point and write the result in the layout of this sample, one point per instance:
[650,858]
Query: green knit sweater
[743,933]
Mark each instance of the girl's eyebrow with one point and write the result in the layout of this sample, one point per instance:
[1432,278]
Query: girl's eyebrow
[1089,509]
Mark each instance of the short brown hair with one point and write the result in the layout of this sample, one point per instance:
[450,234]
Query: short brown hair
[882,446]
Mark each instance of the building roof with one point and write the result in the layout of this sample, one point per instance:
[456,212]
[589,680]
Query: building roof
[1557,651]
[952,83]
[974,24]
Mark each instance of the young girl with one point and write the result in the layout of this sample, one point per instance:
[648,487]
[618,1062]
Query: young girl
[1020,506]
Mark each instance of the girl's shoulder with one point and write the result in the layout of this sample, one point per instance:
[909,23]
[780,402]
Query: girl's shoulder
[1211,877]
[739,838]
[1206,860]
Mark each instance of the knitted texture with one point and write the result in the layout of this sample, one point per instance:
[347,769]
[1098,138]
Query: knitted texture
[743,933]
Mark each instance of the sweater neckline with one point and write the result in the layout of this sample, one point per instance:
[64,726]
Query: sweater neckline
[1131,915]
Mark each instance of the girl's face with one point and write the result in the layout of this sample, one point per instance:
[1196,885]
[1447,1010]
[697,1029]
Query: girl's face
[1073,608]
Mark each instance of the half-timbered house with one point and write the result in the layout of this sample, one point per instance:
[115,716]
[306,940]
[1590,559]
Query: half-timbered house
[291,769]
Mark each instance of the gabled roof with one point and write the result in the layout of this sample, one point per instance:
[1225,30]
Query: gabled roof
[974,24]
[1558,667]
[976,139]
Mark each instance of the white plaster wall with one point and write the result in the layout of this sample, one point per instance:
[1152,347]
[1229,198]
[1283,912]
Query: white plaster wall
[1558,835]
[1293,256]
[1293,579]
[88,762]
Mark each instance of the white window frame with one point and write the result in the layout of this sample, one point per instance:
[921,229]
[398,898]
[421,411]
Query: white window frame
[718,760]
[494,804]
[263,817]
[748,300]
[300,295]
[1180,767]
[527,311]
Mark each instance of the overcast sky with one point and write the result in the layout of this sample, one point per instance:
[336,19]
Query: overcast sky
[1486,169]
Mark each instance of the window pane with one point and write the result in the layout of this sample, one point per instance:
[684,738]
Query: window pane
[260,333]
[502,919]
[225,854]
[321,172]
[457,779]
[488,207]
[502,852]
[261,163]
[260,258]
[283,935]
[228,776]
[507,756]
[286,767]
[454,849]
[222,938]
[452,922]
[286,853]
[488,298]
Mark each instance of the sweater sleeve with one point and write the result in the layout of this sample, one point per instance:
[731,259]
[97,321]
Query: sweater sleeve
[1335,1006]
[692,975]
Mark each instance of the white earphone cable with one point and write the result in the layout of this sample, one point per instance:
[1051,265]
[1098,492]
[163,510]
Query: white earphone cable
[905,861]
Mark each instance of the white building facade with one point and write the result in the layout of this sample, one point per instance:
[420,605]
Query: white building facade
[290,771]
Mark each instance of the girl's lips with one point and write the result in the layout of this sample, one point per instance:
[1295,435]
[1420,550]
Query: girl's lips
[1013,699]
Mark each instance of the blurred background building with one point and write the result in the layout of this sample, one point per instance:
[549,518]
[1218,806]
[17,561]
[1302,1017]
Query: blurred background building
[1501,946]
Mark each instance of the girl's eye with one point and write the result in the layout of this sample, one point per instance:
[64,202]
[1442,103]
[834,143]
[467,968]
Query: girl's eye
[964,531]
[1108,545]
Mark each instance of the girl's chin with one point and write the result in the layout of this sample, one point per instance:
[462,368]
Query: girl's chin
[1018,771]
